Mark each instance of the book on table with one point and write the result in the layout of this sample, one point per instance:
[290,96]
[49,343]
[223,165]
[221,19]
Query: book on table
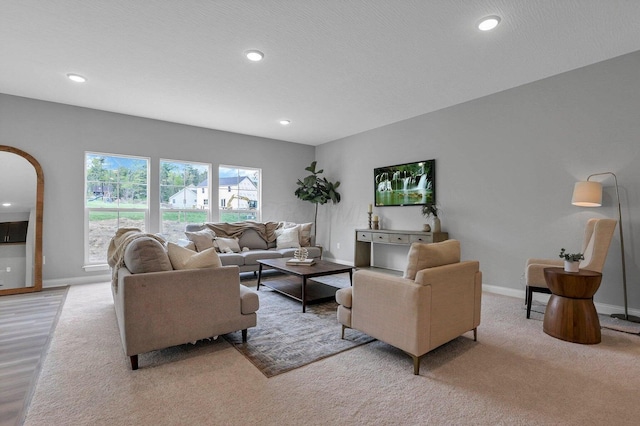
[294,261]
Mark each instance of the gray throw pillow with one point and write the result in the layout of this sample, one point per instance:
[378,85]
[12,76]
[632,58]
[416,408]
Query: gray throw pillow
[146,254]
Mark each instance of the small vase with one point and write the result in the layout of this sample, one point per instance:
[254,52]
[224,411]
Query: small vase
[426,227]
[571,266]
[436,224]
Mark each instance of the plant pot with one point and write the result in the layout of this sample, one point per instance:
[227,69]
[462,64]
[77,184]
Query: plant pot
[571,266]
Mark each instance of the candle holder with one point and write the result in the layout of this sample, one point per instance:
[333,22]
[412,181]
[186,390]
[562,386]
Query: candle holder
[370,213]
[375,224]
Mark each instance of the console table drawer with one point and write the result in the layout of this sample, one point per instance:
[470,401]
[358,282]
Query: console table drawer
[364,236]
[421,239]
[380,237]
[399,238]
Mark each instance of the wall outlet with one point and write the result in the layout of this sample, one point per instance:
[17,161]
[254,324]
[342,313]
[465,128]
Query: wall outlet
[8,268]
[338,246]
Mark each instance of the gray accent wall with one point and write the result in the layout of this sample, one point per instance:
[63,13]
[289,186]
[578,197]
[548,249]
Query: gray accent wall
[505,169]
[58,135]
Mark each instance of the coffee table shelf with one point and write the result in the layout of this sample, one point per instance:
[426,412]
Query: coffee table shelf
[299,285]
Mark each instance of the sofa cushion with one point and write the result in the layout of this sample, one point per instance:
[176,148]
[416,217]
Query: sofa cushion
[145,254]
[202,239]
[312,252]
[251,257]
[288,237]
[183,258]
[231,259]
[422,256]
[251,239]
[226,245]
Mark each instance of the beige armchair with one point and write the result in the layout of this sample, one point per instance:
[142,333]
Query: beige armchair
[437,300]
[597,238]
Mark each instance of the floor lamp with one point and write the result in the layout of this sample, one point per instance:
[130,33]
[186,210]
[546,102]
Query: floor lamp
[589,194]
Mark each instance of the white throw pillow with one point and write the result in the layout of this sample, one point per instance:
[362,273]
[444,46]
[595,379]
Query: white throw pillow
[183,258]
[288,238]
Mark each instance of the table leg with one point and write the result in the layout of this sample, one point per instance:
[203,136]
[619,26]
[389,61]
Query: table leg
[259,277]
[304,299]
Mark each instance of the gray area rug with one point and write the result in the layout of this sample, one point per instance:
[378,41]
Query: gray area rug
[285,338]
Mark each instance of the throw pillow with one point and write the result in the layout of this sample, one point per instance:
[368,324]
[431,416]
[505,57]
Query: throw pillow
[226,245]
[305,234]
[202,239]
[183,258]
[422,256]
[145,254]
[288,238]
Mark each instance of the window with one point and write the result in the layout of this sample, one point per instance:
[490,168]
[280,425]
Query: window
[184,196]
[116,196]
[239,192]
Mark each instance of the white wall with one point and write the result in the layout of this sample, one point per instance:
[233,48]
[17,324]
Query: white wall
[58,135]
[506,165]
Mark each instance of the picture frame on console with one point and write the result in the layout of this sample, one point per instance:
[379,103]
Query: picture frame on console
[408,184]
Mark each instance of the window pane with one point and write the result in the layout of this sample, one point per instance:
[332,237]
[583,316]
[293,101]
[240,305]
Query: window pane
[103,226]
[239,193]
[116,181]
[184,188]
[174,223]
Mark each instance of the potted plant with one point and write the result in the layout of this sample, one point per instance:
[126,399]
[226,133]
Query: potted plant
[571,260]
[429,210]
[317,190]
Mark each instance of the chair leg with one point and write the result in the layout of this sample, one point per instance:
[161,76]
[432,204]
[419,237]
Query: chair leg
[416,365]
[134,362]
[244,336]
[529,296]
[475,334]
[343,327]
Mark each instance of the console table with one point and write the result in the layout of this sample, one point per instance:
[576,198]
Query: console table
[364,239]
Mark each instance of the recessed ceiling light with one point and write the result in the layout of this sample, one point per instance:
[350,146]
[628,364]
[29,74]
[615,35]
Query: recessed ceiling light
[6,204]
[76,77]
[254,55]
[285,122]
[488,23]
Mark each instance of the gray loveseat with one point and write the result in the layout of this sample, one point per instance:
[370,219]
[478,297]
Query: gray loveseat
[158,307]
[253,244]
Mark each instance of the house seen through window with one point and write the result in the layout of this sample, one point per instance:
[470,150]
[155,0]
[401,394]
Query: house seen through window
[239,193]
[116,196]
[184,196]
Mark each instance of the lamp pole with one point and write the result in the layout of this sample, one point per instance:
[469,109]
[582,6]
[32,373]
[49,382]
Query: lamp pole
[626,315]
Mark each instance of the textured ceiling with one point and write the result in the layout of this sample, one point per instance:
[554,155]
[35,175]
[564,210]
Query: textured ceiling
[333,67]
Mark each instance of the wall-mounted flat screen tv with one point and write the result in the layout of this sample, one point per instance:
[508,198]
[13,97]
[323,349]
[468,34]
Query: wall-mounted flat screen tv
[409,184]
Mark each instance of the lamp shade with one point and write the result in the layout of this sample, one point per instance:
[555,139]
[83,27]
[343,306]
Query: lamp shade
[587,194]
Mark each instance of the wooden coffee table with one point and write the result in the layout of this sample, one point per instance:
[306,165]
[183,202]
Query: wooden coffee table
[302,292]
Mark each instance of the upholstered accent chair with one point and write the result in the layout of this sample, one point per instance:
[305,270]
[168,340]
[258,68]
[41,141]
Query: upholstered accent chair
[597,238]
[437,300]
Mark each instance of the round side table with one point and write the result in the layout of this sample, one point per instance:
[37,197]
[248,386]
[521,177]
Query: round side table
[571,314]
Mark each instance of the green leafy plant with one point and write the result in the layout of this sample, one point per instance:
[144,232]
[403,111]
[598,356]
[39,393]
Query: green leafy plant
[317,190]
[430,210]
[571,257]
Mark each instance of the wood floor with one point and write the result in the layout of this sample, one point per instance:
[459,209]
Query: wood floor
[26,324]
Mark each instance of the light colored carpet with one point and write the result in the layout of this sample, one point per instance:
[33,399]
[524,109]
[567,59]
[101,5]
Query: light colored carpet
[514,375]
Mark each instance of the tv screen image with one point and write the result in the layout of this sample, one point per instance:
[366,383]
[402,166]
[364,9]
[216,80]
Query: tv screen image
[409,184]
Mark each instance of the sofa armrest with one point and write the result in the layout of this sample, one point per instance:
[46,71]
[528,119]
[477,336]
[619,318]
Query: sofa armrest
[389,308]
[161,309]
[456,293]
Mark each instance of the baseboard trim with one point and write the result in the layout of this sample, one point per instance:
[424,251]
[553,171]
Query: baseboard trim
[61,282]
